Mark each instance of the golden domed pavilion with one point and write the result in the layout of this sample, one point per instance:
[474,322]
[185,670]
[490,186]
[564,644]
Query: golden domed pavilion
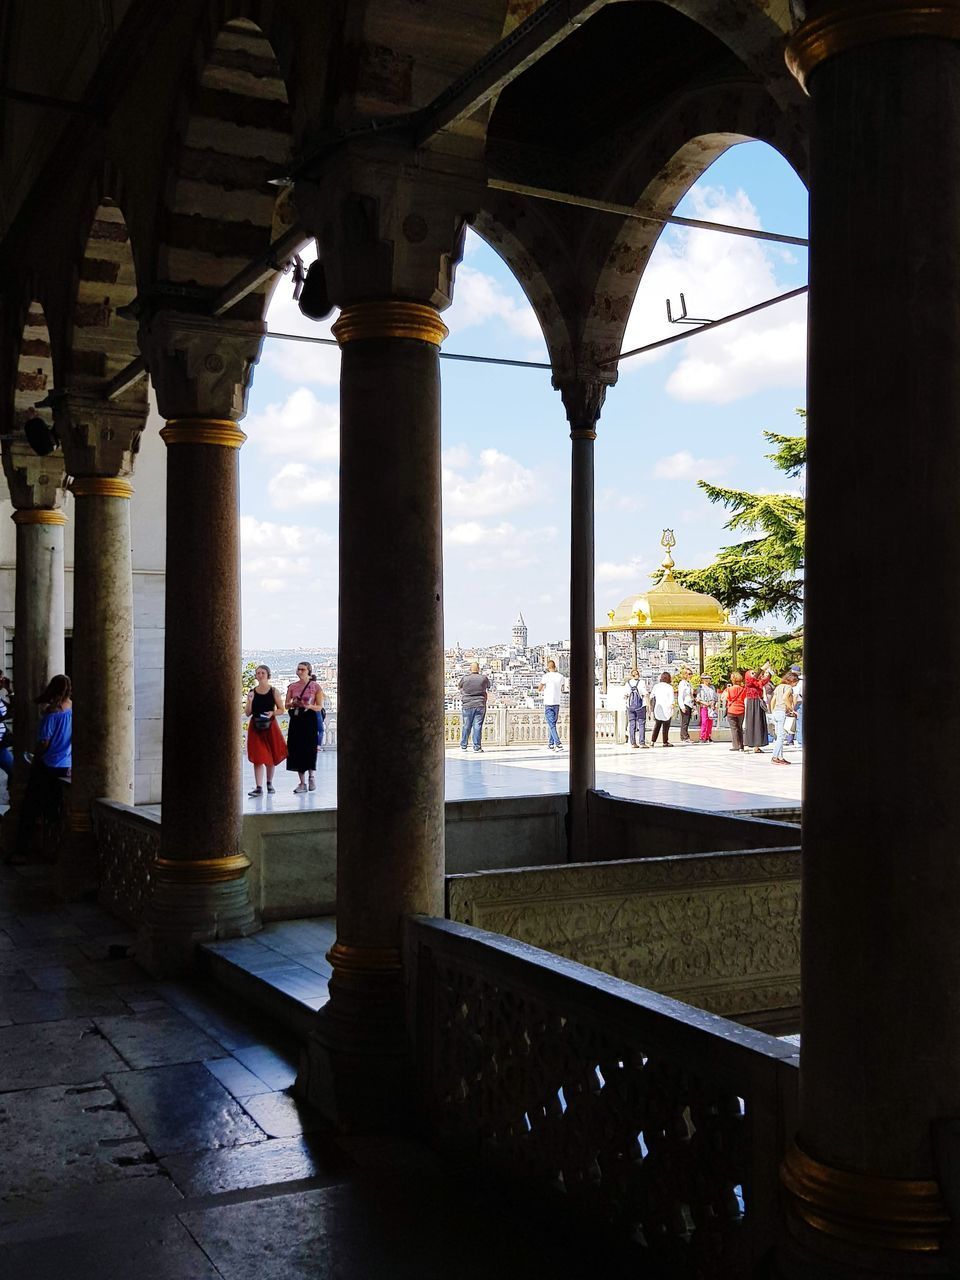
[669,606]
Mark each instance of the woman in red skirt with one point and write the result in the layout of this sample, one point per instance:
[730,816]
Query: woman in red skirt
[265,745]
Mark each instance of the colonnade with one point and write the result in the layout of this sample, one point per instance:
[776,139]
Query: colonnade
[867,1184]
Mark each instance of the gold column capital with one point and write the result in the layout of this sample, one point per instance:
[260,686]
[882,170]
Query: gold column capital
[906,1215]
[867,22]
[38,515]
[391,319]
[186,871]
[221,431]
[101,487]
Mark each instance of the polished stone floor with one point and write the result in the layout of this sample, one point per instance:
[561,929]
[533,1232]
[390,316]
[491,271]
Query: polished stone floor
[148,1130]
[698,777]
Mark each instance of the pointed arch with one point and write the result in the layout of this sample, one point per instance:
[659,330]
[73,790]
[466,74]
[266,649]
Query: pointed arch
[657,169]
[103,340]
[34,377]
[220,210]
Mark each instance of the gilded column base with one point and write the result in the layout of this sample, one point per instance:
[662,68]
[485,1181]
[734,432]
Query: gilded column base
[357,1068]
[844,1224]
[193,902]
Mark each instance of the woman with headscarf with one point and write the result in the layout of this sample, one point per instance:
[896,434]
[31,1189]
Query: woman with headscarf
[755,710]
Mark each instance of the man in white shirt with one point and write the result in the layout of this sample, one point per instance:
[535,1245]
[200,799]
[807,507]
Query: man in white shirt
[685,701]
[551,687]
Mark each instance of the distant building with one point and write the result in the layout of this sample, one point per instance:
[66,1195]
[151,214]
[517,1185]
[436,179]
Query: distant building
[519,634]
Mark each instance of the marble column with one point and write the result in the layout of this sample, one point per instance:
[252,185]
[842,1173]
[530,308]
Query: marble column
[583,399]
[869,1176]
[37,493]
[200,370]
[100,441]
[390,781]
[390,231]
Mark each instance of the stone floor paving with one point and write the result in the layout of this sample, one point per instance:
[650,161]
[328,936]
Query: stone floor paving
[699,777]
[148,1130]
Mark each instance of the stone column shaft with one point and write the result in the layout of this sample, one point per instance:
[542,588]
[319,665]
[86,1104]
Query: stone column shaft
[201,369]
[880,1056]
[103,741]
[583,398]
[38,646]
[390,764]
[583,735]
[202,732]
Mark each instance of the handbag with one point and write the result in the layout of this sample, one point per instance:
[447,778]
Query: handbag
[261,722]
[790,724]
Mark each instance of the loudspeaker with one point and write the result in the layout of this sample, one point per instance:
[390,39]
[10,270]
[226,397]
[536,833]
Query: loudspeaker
[314,301]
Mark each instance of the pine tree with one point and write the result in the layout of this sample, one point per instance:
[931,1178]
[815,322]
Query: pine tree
[762,575]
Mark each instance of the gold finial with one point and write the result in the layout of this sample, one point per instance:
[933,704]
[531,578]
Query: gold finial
[668,541]
[611,614]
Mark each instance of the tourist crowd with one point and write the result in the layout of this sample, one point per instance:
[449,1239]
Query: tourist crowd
[748,702]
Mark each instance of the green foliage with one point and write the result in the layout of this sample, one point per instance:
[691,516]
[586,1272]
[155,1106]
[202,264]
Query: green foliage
[763,574]
[781,652]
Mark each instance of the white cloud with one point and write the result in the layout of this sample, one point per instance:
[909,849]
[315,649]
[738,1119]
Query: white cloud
[614,500]
[456,458]
[684,466]
[720,274]
[479,298]
[277,557]
[629,571]
[263,536]
[502,546]
[302,427]
[499,484]
[297,485]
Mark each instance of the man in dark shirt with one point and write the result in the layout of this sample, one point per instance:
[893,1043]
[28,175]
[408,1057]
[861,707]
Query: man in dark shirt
[473,689]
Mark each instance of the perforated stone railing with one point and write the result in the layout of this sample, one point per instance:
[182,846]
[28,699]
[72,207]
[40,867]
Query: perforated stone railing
[520,727]
[659,1124]
[129,842]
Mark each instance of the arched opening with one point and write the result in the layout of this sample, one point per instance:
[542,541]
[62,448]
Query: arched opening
[221,211]
[34,369]
[104,339]
[696,411]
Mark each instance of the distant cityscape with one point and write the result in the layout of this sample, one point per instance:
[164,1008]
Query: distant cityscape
[515,667]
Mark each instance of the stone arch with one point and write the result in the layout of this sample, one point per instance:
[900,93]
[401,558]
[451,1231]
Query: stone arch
[634,129]
[220,210]
[34,376]
[656,171]
[103,340]
[529,247]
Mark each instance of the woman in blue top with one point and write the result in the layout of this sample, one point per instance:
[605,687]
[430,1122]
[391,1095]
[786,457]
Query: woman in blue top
[50,765]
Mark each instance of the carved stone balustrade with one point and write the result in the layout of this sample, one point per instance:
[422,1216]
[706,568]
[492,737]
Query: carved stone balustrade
[638,1117]
[718,930]
[128,841]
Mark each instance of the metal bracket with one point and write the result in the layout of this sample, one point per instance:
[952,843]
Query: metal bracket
[683,318]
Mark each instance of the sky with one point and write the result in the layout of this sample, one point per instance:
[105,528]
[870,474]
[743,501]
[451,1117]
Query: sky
[696,410]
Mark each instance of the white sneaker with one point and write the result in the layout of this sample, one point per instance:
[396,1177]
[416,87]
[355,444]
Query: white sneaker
[299,789]
[313,783]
